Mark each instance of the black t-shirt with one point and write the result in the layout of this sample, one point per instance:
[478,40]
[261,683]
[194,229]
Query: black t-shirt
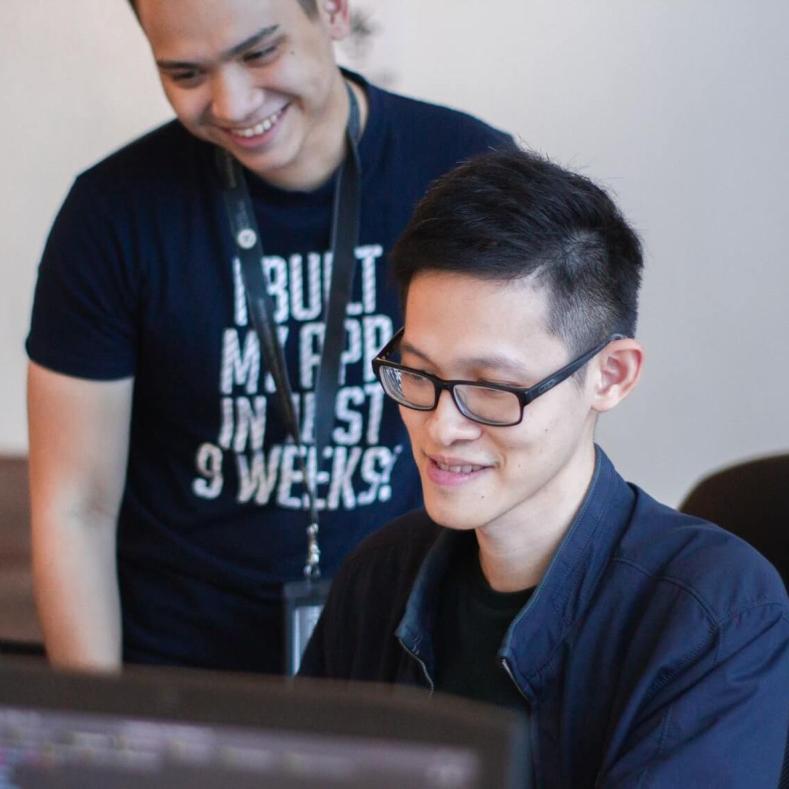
[139,278]
[472,620]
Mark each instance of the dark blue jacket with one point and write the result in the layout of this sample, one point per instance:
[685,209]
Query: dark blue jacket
[654,652]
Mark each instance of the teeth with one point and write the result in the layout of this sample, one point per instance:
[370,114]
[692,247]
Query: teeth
[260,128]
[458,469]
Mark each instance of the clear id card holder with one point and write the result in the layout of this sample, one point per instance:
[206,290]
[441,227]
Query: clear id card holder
[304,601]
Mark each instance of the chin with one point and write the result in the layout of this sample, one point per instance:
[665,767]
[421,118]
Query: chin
[452,516]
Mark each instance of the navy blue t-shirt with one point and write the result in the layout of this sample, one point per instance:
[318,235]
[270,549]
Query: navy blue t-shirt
[139,278]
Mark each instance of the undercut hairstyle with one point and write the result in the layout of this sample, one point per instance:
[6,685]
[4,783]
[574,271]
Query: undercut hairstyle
[310,6]
[512,214]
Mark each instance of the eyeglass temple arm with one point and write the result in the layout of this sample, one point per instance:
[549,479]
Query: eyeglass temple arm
[560,375]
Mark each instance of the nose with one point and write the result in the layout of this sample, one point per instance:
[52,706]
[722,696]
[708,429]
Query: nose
[446,424]
[234,97]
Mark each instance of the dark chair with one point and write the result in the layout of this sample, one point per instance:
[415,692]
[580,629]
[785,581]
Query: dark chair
[751,500]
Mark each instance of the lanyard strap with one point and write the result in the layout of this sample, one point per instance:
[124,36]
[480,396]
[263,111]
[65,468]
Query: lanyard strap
[345,234]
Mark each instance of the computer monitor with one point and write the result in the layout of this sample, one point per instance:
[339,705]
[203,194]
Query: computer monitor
[175,728]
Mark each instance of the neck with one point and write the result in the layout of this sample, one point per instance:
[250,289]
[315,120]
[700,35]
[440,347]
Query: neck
[324,150]
[515,554]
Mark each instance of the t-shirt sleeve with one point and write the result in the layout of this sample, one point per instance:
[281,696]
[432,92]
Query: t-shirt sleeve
[83,321]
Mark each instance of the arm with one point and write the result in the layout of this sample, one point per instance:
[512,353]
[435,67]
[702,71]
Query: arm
[79,433]
[720,719]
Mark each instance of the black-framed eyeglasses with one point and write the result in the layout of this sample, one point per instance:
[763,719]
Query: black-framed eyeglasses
[498,405]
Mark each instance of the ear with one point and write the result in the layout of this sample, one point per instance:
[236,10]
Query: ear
[618,368]
[336,15]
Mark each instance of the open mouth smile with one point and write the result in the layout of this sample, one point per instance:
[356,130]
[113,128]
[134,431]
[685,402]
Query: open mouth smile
[452,471]
[259,129]
[465,469]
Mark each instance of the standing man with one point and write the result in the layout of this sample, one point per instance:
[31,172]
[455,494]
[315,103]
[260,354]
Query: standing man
[644,647]
[168,502]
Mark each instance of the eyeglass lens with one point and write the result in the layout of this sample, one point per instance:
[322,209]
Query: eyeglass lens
[493,406]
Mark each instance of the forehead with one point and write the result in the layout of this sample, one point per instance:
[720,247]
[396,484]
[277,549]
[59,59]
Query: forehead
[200,28]
[451,317]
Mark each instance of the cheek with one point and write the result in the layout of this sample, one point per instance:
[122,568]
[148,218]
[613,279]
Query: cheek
[530,441]
[406,414]
[310,76]
[414,424]
[184,105]
[516,451]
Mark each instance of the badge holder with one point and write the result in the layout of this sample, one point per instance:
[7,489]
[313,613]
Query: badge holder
[304,601]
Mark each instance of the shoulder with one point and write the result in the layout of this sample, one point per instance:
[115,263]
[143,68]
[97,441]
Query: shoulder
[383,567]
[441,129]
[167,154]
[438,117]
[163,177]
[696,624]
[392,552]
[694,559]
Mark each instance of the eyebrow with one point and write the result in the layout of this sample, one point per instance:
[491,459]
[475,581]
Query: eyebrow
[228,54]
[493,361]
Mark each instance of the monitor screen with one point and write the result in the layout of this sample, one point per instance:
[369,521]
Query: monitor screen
[173,728]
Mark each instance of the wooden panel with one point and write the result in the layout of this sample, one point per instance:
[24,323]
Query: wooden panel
[17,611]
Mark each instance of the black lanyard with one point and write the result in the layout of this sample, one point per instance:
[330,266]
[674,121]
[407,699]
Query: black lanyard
[344,238]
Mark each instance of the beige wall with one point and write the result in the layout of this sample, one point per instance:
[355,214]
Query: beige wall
[679,106]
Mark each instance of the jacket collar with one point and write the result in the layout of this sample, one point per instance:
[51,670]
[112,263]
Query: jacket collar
[416,627]
[561,597]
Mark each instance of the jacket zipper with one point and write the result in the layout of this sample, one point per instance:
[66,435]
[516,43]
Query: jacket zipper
[532,725]
[507,668]
[422,665]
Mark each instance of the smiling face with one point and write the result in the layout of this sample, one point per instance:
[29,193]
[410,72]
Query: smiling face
[479,477]
[256,77]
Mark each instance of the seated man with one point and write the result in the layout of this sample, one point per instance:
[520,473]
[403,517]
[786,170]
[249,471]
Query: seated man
[644,647]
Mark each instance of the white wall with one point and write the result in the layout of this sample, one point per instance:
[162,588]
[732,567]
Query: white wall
[76,81]
[679,106]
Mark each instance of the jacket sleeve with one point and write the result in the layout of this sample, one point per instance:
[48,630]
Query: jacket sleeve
[720,717]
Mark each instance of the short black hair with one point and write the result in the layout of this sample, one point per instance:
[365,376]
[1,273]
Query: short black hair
[310,6]
[510,214]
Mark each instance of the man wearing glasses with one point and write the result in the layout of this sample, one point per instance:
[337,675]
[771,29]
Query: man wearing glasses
[644,647]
